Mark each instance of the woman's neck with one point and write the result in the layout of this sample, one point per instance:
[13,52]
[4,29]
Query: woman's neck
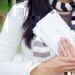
[65,1]
[64,13]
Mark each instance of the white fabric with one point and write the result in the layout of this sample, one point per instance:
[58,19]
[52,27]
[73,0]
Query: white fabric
[68,6]
[73,14]
[73,22]
[11,38]
[50,1]
[58,6]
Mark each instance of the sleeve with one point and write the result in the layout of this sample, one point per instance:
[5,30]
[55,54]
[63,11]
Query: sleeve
[11,34]
[10,39]
[41,50]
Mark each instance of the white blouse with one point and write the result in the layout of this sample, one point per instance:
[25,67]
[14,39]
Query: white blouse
[11,39]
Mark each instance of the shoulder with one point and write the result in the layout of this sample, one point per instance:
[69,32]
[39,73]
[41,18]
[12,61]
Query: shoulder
[19,12]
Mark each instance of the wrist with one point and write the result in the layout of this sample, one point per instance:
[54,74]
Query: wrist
[40,70]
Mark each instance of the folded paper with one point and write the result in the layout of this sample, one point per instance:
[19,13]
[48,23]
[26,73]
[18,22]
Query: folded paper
[51,28]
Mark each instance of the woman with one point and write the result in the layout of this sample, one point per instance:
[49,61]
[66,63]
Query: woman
[17,30]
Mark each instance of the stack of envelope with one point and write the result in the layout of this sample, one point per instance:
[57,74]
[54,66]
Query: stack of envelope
[51,28]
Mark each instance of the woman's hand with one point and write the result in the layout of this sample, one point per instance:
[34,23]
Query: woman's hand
[63,63]
[55,66]
[66,48]
[58,64]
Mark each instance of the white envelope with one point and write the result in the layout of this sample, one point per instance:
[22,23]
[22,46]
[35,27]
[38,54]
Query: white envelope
[51,28]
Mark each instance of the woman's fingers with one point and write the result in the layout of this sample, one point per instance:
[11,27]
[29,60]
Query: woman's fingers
[68,59]
[66,46]
[68,64]
[69,69]
[61,49]
[64,49]
[60,64]
[71,47]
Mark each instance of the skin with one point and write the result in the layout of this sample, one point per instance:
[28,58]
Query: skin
[59,64]
[65,1]
[65,46]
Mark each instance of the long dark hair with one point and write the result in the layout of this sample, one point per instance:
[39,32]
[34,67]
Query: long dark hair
[37,10]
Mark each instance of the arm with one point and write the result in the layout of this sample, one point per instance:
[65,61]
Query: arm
[10,36]
[58,64]
[10,39]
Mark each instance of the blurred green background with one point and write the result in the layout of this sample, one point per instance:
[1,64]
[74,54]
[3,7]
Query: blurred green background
[3,11]
[5,6]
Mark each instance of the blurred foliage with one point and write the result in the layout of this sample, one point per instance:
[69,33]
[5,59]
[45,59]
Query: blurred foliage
[5,6]
[3,11]
[19,1]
